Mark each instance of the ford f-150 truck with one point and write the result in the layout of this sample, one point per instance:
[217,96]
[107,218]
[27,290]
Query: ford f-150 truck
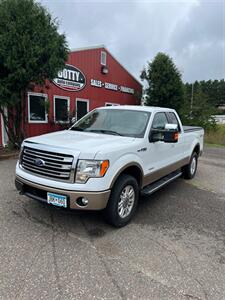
[107,159]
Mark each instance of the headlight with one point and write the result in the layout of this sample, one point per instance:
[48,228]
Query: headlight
[90,169]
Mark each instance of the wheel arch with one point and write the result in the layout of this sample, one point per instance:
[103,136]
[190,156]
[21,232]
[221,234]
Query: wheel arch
[133,169]
[196,149]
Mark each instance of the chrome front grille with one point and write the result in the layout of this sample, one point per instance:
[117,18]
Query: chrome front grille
[48,164]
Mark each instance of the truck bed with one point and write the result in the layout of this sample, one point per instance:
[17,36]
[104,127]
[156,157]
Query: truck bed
[191,128]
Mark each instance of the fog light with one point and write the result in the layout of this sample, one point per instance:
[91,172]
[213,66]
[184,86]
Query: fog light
[85,201]
[82,201]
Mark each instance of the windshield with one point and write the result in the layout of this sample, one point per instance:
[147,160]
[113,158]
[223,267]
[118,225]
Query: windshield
[122,122]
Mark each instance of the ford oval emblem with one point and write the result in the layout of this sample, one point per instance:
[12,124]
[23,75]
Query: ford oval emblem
[39,162]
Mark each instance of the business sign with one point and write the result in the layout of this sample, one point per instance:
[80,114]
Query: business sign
[126,89]
[70,79]
[111,86]
[97,83]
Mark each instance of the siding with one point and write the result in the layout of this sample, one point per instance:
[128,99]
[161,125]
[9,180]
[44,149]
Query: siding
[88,61]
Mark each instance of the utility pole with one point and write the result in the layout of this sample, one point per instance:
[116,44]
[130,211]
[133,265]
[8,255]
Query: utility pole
[192,97]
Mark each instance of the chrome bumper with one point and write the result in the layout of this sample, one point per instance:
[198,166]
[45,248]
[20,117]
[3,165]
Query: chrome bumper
[96,200]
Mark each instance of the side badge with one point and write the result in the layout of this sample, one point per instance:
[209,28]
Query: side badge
[142,149]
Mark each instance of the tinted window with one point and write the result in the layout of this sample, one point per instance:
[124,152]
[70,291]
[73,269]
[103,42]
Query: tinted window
[82,108]
[159,121]
[173,119]
[61,109]
[37,108]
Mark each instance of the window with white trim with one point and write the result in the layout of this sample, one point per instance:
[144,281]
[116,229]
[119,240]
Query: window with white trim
[103,58]
[37,108]
[61,109]
[111,104]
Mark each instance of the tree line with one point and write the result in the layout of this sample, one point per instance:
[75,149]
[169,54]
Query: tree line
[214,90]
[195,102]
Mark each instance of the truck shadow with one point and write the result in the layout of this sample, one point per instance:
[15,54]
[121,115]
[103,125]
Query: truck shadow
[177,206]
[180,207]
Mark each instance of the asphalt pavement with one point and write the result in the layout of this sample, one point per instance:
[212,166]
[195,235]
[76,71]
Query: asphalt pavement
[173,249]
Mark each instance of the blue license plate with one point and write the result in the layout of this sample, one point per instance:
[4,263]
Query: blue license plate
[58,200]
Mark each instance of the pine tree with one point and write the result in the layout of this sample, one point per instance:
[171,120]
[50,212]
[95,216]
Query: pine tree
[164,84]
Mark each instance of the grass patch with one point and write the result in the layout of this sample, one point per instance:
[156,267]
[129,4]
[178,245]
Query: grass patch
[215,137]
[214,145]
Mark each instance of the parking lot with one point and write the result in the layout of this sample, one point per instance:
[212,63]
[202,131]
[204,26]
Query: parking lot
[173,249]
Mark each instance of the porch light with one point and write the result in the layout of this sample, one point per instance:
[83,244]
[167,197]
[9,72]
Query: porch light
[105,70]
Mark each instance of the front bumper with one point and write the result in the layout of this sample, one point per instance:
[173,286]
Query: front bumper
[96,200]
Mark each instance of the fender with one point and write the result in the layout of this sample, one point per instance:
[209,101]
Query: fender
[122,163]
[120,171]
[194,145]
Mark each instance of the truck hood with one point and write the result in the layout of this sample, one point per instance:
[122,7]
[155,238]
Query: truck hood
[83,142]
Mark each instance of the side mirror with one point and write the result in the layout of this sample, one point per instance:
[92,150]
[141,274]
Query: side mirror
[171,127]
[168,135]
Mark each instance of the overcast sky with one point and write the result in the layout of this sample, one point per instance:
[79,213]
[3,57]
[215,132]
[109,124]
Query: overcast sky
[191,32]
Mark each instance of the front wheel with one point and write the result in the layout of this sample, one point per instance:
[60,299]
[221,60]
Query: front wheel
[190,169]
[123,201]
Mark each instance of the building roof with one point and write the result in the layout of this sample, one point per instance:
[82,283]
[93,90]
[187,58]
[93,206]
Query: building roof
[88,48]
[104,47]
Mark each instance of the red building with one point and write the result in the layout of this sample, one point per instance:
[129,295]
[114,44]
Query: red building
[1,132]
[92,77]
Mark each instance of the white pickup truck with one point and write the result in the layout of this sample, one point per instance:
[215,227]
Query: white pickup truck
[108,158]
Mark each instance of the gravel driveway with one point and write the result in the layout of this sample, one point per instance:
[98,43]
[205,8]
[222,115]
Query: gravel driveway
[173,249]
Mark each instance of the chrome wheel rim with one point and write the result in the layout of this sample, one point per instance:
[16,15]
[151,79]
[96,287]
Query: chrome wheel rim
[126,202]
[193,165]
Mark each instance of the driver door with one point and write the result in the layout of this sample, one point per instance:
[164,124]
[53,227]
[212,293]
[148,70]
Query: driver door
[157,156]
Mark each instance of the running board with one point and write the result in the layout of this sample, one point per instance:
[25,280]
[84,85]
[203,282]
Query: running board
[155,186]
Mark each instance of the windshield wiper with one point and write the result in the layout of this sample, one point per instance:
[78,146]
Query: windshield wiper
[105,131]
[77,129]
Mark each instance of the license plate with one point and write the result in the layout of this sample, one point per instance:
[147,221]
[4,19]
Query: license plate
[57,200]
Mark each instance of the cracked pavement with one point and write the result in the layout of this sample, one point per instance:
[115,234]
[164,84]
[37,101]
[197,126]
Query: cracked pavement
[173,249]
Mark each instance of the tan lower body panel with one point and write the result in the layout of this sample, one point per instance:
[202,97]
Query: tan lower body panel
[150,178]
[96,200]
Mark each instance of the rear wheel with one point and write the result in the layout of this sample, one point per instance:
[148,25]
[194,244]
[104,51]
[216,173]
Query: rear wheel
[123,201]
[190,169]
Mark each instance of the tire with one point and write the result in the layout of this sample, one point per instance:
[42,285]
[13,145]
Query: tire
[189,170]
[124,186]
